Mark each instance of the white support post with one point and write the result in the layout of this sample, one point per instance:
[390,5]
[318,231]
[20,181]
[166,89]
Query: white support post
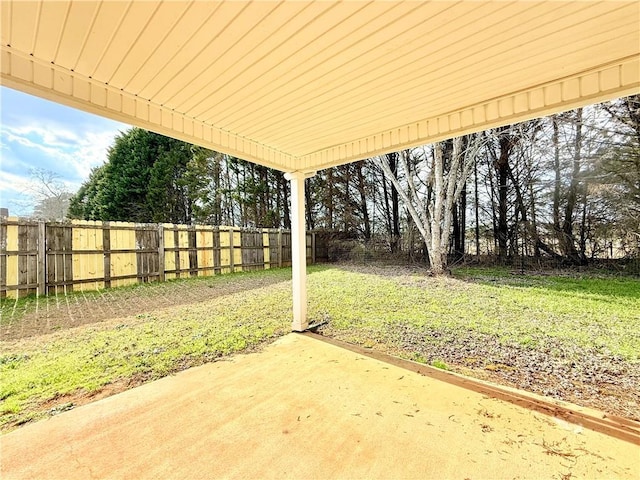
[298,250]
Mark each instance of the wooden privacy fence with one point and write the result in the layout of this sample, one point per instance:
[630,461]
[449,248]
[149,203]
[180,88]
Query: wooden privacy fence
[40,258]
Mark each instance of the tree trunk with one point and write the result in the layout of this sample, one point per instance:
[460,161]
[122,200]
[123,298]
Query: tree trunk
[286,220]
[533,215]
[460,223]
[437,254]
[476,207]
[387,212]
[330,193]
[463,219]
[556,181]
[584,229]
[455,235]
[502,171]
[431,209]
[395,207]
[217,190]
[568,241]
[231,213]
[309,205]
[363,201]
[264,221]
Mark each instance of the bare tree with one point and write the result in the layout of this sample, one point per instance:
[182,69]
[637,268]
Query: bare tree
[51,198]
[433,185]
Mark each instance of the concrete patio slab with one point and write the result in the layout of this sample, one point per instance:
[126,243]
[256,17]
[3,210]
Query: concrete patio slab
[306,409]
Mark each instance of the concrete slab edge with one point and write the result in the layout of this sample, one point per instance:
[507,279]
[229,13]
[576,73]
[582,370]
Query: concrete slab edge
[614,426]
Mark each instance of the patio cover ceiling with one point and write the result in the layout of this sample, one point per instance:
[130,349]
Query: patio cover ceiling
[301,86]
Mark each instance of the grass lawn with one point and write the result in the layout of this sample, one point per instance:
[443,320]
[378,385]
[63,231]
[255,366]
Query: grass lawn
[602,314]
[45,374]
[566,337]
[551,334]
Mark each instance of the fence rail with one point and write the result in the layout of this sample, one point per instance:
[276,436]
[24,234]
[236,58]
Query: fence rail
[39,257]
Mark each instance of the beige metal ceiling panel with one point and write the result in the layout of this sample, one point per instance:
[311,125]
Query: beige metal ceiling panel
[127,36]
[5,23]
[590,87]
[263,68]
[192,22]
[307,85]
[308,62]
[360,75]
[407,86]
[260,66]
[196,53]
[409,104]
[45,41]
[365,119]
[208,69]
[23,18]
[163,20]
[98,29]
[377,54]
[235,64]
[411,99]
[368,83]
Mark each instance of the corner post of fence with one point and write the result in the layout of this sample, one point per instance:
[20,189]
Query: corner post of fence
[42,258]
[280,248]
[161,275]
[231,251]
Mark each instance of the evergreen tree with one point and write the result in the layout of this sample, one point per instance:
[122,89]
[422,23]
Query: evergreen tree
[85,203]
[142,181]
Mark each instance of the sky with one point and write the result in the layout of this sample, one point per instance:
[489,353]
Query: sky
[38,134]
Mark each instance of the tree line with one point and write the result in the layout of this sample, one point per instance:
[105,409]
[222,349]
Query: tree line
[565,186]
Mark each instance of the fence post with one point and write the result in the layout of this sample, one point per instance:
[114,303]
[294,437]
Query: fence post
[231,251]
[161,276]
[106,250]
[176,252]
[42,258]
[192,242]
[217,251]
[266,248]
[280,248]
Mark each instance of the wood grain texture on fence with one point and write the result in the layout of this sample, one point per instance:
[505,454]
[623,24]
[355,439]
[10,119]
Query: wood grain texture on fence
[3,259]
[56,258]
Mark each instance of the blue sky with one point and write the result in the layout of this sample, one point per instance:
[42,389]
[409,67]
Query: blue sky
[38,134]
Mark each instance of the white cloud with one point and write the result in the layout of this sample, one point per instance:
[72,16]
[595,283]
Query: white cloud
[78,151]
[54,135]
[37,134]
[14,196]
[91,151]
[13,184]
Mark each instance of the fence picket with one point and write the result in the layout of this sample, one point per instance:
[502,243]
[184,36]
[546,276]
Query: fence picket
[3,259]
[51,257]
